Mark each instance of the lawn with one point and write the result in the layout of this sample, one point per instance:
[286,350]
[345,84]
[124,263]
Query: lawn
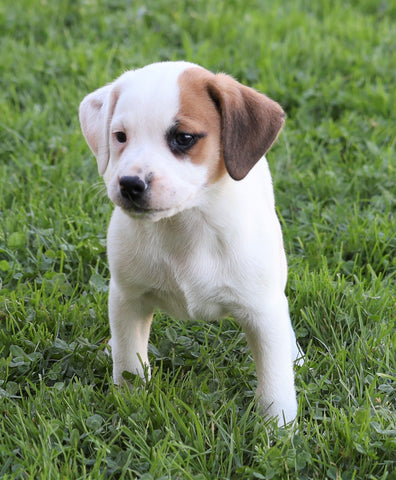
[332,66]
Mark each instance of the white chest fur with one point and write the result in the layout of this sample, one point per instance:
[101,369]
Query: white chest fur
[200,264]
[173,266]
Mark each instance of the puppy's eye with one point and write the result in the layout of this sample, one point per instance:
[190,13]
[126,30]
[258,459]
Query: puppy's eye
[181,142]
[184,140]
[120,137]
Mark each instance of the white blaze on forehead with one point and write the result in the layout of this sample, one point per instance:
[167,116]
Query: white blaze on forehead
[151,99]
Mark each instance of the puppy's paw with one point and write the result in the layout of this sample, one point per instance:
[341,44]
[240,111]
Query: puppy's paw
[284,412]
[136,372]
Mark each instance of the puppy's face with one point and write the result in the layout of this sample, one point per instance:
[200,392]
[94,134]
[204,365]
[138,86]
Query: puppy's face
[164,133]
[163,148]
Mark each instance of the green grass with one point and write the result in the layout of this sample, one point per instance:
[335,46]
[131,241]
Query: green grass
[332,65]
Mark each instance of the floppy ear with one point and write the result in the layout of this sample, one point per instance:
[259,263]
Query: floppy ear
[250,123]
[95,114]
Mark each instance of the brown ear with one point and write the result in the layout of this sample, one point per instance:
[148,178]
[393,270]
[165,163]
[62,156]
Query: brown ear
[250,123]
[95,114]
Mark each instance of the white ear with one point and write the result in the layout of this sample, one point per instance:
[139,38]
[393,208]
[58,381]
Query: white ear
[95,115]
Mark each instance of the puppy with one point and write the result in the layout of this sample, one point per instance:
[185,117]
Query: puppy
[194,230]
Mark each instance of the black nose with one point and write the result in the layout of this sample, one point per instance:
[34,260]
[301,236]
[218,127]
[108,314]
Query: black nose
[132,188]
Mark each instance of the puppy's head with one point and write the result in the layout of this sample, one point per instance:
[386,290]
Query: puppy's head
[164,133]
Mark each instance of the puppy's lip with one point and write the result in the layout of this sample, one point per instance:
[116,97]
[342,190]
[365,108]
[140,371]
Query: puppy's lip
[137,211]
[130,207]
[151,213]
[145,211]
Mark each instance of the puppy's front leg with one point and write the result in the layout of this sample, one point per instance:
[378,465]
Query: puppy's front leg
[130,326]
[269,338]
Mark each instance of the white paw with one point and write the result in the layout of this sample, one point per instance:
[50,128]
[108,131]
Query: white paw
[285,412]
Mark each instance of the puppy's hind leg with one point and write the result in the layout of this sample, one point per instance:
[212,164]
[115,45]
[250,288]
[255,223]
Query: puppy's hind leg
[130,330]
[268,336]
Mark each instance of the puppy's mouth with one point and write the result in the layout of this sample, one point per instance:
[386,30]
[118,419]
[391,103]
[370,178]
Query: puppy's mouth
[137,211]
[135,197]
[141,209]
[133,208]
[146,212]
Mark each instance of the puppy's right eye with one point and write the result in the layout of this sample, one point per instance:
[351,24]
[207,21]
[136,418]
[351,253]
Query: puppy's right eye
[120,137]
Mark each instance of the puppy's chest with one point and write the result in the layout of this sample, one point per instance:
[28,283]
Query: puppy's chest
[195,289]
[188,281]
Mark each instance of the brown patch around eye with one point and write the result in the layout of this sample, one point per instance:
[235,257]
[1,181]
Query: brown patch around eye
[199,117]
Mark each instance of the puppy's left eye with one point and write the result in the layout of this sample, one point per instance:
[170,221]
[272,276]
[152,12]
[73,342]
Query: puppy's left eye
[185,140]
[181,142]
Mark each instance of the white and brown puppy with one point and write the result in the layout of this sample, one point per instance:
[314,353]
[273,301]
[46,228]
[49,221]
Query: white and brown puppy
[194,231]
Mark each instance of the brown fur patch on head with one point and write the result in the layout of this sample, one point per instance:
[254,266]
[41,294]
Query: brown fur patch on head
[198,115]
[240,123]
